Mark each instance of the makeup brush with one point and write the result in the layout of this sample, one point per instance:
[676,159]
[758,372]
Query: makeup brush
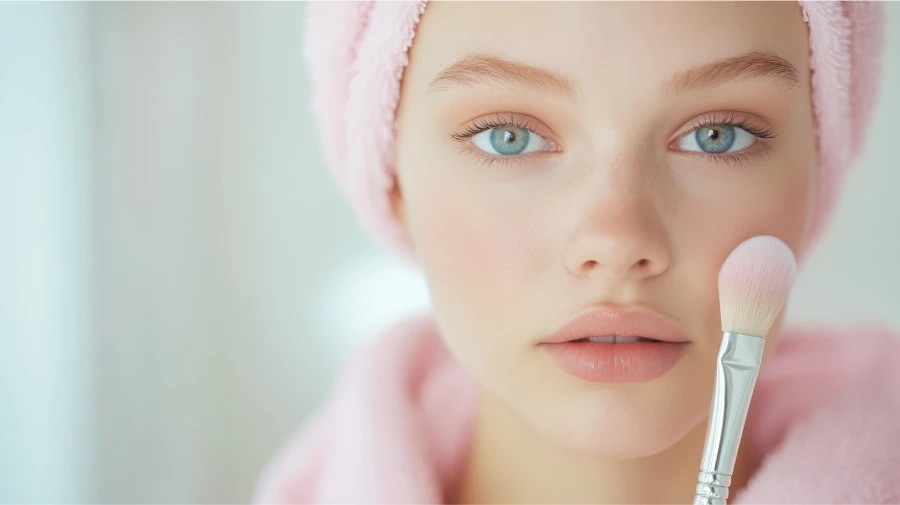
[754,283]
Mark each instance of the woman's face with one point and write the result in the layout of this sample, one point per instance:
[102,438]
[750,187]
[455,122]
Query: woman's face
[595,187]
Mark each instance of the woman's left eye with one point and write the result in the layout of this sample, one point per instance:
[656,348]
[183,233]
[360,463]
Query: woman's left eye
[509,140]
[716,139]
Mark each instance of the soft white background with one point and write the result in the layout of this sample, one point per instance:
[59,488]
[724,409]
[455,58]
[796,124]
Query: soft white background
[179,277]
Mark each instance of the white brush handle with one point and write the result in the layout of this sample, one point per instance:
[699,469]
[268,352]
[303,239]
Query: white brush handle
[736,371]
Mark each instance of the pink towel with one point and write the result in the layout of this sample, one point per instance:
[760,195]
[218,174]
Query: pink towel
[826,415]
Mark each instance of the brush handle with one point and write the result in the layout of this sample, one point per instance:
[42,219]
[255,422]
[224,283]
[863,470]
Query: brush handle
[736,371]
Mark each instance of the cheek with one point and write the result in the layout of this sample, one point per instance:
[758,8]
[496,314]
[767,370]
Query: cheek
[477,244]
[781,208]
[475,247]
[775,201]
[723,212]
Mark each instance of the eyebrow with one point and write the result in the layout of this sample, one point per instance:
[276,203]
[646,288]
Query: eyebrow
[486,69]
[483,69]
[752,65]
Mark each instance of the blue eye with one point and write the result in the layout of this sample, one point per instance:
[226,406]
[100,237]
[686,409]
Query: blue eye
[715,139]
[509,140]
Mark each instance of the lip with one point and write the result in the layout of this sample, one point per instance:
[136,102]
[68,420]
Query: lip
[616,362]
[603,322]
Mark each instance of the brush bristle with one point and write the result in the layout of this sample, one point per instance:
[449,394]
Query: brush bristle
[754,283]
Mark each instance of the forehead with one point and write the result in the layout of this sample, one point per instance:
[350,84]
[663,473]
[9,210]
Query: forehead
[627,48]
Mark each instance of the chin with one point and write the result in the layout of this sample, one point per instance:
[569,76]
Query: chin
[614,424]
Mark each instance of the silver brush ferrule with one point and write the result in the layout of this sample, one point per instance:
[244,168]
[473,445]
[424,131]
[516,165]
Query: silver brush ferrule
[736,371]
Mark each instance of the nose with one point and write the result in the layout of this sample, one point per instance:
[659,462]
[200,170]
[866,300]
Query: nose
[620,233]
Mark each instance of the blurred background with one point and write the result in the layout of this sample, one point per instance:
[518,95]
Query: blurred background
[178,271]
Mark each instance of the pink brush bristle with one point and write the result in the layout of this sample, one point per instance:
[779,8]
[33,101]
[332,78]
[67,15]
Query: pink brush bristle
[754,284]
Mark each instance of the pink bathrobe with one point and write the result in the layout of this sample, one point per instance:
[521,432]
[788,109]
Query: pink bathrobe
[397,428]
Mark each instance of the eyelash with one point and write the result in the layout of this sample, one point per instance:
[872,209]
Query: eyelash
[486,124]
[719,119]
[727,119]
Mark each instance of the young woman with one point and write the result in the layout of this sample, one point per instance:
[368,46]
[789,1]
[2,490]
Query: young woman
[545,163]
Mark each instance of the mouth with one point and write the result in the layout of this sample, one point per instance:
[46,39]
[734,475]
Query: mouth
[645,345]
[613,340]
[618,326]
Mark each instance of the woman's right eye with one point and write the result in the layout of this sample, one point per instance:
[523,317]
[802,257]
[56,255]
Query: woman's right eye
[510,140]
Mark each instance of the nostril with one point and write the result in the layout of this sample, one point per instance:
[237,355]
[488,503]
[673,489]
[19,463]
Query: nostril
[643,263]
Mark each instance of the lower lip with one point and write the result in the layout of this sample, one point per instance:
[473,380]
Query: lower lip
[620,362]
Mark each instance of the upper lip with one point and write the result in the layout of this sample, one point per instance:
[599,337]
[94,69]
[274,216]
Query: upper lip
[620,322]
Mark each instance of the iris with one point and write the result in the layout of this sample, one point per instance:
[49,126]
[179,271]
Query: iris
[509,140]
[715,139]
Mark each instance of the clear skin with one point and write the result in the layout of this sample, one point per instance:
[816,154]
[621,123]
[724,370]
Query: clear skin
[613,213]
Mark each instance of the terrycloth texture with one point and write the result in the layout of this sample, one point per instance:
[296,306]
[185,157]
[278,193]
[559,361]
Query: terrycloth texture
[357,51]
[846,41]
[824,418]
